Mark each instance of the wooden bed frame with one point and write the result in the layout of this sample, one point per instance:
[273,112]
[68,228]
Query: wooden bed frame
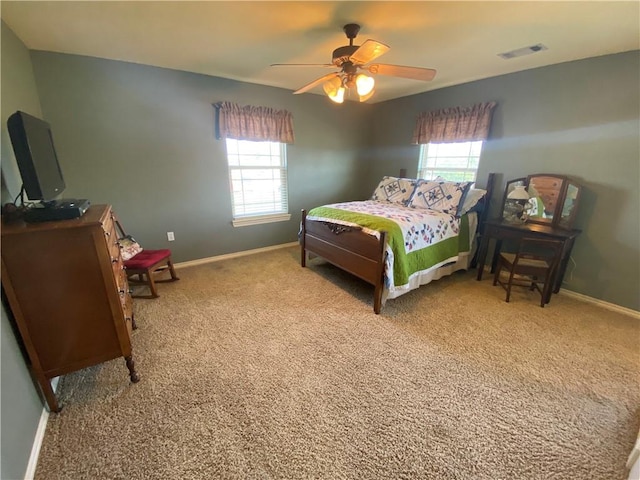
[359,253]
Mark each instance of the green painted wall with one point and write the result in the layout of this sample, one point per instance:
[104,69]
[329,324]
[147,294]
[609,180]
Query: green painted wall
[142,138]
[21,406]
[579,119]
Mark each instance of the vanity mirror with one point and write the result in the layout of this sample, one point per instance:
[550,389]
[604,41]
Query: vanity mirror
[553,200]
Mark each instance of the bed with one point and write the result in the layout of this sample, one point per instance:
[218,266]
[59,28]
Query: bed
[402,237]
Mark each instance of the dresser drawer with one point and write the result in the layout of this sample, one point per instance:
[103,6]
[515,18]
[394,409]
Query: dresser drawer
[111,237]
[127,308]
[119,273]
[125,300]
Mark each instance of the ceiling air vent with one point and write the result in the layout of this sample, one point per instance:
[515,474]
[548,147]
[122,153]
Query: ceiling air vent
[523,51]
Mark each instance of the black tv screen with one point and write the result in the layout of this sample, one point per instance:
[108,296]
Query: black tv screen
[36,157]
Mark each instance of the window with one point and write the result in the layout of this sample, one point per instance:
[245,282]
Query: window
[258,178]
[457,162]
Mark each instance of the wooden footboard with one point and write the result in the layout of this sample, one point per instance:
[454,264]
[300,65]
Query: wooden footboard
[348,248]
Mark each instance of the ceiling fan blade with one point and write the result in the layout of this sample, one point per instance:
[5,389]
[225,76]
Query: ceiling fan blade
[368,51]
[303,65]
[316,82]
[414,73]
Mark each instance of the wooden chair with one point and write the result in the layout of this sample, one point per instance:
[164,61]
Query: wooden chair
[537,261]
[142,268]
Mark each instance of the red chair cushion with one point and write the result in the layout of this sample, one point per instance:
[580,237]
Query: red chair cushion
[146,259]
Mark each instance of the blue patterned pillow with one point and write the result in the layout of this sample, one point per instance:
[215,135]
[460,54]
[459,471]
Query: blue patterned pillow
[445,197]
[394,190]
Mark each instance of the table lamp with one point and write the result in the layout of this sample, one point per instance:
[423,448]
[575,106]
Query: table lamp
[517,200]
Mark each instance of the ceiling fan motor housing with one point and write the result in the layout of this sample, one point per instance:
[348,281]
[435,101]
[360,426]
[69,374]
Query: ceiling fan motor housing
[342,54]
[351,30]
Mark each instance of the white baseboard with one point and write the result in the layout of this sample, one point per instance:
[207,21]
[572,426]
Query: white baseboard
[585,298]
[37,441]
[227,256]
[601,303]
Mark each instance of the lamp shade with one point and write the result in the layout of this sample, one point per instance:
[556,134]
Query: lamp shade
[364,84]
[332,85]
[518,193]
[339,96]
[364,98]
[334,89]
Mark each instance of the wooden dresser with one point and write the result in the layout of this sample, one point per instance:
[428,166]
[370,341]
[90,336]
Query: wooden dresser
[67,290]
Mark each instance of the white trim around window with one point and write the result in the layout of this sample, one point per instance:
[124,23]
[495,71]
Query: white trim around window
[258,182]
[246,221]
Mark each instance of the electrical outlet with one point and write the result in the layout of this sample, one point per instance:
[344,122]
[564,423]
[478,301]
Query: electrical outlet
[170,236]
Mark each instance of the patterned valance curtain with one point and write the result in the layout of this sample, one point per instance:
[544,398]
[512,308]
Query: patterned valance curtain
[457,124]
[258,124]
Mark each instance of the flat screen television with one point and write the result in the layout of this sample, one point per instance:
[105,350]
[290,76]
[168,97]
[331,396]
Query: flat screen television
[36,157]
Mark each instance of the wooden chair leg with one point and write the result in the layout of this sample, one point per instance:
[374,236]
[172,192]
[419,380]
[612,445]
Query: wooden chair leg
[152,284]
[496,276]
[546,291]
[511,274]
[172,270]
[543,293]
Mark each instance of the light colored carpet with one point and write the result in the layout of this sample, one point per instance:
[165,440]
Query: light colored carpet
[255,368]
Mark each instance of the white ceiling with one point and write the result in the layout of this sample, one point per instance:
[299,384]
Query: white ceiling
[239,39]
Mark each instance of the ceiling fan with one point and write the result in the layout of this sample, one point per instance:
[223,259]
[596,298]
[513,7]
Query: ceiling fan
[352,58]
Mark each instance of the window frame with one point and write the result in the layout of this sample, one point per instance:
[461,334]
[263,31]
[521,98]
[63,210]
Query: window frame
[436,171]
[241,220]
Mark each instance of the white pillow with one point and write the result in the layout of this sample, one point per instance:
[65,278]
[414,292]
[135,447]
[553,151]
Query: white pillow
[471,199]
[445,197]
[394,190]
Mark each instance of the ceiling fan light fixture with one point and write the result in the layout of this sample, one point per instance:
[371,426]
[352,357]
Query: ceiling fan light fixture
[364,85]
[338,97]
[334,89]
[364,98]
[332,85]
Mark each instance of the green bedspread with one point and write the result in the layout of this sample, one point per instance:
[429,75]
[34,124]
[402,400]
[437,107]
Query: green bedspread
[448,237]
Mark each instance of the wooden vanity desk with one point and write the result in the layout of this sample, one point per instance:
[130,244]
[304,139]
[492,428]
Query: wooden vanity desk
[67,291]
[553,219]
[499,230]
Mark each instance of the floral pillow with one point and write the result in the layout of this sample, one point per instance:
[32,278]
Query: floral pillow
[442,196]
[129,248]
[394,190]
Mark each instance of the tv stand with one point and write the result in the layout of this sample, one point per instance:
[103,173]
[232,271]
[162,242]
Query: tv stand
[65,209]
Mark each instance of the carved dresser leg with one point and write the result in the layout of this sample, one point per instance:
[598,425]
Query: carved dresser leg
[133,375]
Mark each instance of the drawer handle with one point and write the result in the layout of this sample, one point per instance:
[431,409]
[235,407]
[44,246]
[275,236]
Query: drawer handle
[114,260]
[108,234]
